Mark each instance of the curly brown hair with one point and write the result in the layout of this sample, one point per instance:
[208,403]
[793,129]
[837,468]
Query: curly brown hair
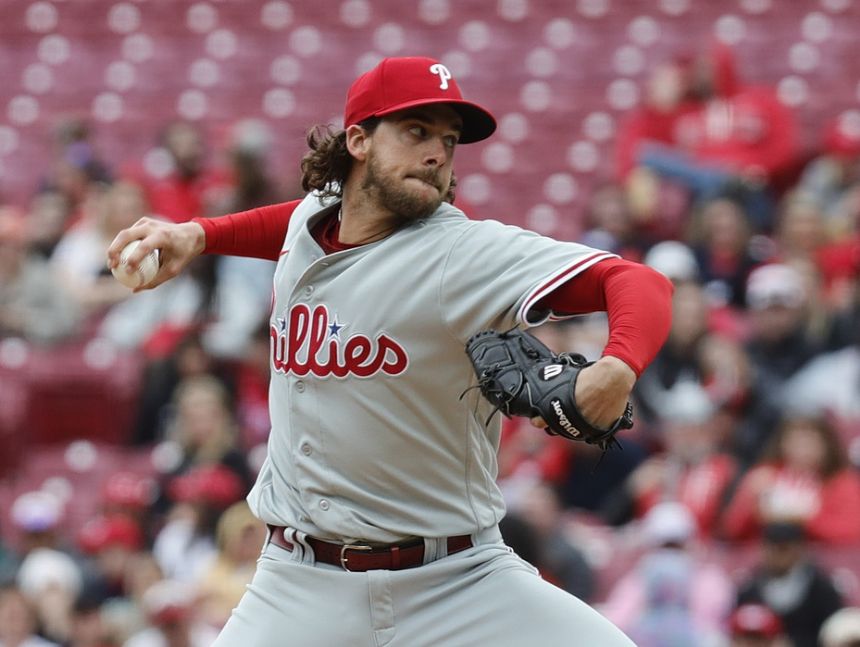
[326,165]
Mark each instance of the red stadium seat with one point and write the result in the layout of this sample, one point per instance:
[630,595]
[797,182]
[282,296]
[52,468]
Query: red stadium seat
[155,49]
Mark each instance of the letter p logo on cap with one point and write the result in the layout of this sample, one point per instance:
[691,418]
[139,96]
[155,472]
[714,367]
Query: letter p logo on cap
[444,74]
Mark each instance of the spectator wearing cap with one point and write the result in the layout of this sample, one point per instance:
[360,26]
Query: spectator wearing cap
[754,625]
[805,477]
[170,609]
[131,495]
[692,467]
[32,305]
[51,580]
[110,542]
[779,345]
[18,624]
[673,595]
[239,537]
[36,516]
[787,580]
[185,547]
[778,305]
[842,629]
[674,260]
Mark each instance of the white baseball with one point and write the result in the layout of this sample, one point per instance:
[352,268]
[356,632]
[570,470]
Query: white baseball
[145,272]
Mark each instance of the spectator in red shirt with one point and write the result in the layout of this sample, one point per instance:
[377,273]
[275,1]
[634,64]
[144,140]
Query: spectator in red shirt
[692,469]
[742,129]
[805,477]
[190,188]
[667,98]
[739,135]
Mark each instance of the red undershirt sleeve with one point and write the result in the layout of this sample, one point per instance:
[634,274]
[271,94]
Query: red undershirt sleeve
[636,298]
[257,233]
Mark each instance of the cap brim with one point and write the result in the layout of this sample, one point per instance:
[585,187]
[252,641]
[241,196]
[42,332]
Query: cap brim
[478,123]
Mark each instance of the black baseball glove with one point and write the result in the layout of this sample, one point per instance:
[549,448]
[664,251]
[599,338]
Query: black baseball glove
[522,377]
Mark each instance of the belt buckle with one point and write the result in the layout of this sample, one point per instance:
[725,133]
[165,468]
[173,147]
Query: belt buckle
[344,559]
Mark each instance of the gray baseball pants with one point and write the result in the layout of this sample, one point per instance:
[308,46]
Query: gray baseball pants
[485,596]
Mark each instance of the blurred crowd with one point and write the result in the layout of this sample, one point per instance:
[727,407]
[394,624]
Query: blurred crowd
[729,517]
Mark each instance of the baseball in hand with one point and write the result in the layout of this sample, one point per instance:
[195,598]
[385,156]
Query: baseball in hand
[145,272]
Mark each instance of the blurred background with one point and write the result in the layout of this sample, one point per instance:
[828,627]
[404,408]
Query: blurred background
[715,140]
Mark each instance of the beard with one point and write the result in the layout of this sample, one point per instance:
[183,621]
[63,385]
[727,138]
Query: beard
[402,202]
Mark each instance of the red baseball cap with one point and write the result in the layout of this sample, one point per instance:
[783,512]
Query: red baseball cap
[755,620]
[129,490]
[400,83]
[102,532]
[213,485]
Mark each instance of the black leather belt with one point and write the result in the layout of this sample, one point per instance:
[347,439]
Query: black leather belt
[364,557]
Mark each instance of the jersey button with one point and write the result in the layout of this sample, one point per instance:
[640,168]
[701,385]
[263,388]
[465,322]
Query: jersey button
[306,449]
[324,504]
[300,386]
[309,290]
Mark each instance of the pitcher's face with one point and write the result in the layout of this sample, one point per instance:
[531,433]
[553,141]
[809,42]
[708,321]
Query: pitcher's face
[410,160]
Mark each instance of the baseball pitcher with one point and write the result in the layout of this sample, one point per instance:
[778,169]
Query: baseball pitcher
[379,490]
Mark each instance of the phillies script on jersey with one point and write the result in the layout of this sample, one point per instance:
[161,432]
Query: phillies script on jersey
[316,337]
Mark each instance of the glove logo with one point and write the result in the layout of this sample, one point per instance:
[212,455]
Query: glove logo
[563,419]
[521,376]
[551,371]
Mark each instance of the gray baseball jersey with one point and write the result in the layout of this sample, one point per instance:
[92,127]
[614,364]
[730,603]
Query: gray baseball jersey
[370,440]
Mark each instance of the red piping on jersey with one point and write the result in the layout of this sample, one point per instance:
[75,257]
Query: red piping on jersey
[564,274]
